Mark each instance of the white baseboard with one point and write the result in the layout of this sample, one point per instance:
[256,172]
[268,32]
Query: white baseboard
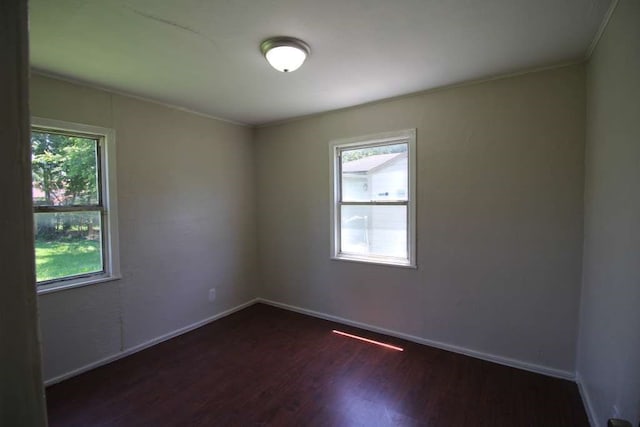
[591,413]
[449,347]
[147,344]
[514,363]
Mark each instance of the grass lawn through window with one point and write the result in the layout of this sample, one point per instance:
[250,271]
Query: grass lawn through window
[56,259]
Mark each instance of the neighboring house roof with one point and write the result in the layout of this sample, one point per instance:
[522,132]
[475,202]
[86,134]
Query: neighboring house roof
[366,164]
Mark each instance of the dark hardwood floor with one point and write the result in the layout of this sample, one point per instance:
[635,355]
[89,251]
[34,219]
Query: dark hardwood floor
[266,366]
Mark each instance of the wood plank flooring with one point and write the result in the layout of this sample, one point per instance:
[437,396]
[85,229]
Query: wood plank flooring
[265,366]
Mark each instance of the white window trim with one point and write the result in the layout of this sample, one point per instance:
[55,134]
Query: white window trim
[110,203]
[407,136]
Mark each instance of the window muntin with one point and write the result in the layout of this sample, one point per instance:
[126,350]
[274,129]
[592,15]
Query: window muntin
[373,199]
[75,223]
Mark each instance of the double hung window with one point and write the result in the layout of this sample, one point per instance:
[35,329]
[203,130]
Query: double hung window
[73,204]
[373,198]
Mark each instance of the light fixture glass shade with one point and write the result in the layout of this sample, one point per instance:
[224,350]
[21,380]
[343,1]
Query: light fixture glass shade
[285,54]
[286,58]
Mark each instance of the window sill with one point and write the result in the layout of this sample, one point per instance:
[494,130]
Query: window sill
[374,261]
[75,283]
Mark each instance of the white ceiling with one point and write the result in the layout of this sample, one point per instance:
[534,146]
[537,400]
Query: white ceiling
[203,55]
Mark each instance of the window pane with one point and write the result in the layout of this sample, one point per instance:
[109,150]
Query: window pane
[64,170]
[375,173]
[68,244]
[374,230]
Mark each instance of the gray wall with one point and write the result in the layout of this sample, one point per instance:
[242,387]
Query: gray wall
[609,345]
[499,220]
[21,391]
[186,214]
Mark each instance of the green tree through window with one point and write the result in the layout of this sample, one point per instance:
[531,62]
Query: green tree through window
[67,205]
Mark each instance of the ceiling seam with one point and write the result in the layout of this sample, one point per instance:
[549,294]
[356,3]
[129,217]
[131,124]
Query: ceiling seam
[601,29]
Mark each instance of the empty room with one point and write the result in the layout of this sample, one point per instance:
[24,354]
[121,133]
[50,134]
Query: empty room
[320,213]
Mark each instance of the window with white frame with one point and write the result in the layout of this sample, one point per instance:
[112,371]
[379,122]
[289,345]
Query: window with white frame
[373,200]
[74,204]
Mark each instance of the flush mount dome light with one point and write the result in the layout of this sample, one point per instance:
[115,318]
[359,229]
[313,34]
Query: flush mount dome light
[285,54]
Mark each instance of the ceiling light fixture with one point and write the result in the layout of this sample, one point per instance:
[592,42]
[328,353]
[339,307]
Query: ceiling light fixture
[285,54]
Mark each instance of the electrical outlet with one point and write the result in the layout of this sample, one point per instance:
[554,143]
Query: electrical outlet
[212,294]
